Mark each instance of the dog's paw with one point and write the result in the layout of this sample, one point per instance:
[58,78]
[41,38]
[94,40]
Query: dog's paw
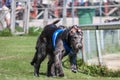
[35,74]
[74,70]
[49,75]
[61,75]
[32,63]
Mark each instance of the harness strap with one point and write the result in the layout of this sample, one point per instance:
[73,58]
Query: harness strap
[54,37]
[67,48]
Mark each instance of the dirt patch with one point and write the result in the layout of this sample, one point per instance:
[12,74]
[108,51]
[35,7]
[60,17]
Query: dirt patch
[112,61]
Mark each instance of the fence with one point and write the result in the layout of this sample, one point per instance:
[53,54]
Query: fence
[100,24]
[25,16]
[100,38]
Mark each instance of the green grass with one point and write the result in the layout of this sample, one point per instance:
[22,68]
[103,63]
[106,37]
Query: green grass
[16,53]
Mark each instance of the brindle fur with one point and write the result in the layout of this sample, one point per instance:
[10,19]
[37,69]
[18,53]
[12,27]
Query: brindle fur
[72,36]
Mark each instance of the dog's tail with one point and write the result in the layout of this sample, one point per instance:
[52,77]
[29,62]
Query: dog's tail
[55,22]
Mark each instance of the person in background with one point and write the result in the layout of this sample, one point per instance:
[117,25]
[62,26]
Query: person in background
[19,11]
[19,8]
[6,11]
[6,6]
[18,5]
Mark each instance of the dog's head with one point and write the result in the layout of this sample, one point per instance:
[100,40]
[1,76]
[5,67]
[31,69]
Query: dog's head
[75,37]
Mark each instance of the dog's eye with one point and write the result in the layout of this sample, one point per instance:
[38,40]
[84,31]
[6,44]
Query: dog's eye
[72,33]
[75,37]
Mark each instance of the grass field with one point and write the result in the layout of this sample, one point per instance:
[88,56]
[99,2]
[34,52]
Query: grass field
[16,53]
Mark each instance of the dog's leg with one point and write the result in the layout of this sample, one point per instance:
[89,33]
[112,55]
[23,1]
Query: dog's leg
[51,67]
[73,63]
[37,67]
[34,58]
[40,56]
[58,55]
[58,66]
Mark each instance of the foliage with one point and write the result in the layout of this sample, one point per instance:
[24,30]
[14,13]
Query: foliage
[33,31]
[18,28]
[97,70]
[93,70]
[5,32]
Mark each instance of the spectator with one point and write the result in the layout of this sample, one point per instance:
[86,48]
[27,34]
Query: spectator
[69,6]
[6,5]
[83,2]
[19,11]
[6,13]
[18,4]
[19,8]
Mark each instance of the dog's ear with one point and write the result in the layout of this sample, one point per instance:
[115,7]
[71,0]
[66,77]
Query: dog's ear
[79,30]
[73,29]
[69,32]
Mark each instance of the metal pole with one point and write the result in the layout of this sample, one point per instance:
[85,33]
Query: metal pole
[27,12]
[13,9]
[88,41]
[119,37]
[83,52]
[98,47]
[64,13]
[102,39]
[73,12]
[88,36]
[101,32]
[45,16]
[97,37]
[26,16]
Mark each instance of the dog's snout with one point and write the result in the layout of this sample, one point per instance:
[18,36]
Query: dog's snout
[79,46]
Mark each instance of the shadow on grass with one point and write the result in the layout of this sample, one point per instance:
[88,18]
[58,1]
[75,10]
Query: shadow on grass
[41,73]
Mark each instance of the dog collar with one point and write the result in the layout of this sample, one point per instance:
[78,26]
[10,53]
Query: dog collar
[54,36]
